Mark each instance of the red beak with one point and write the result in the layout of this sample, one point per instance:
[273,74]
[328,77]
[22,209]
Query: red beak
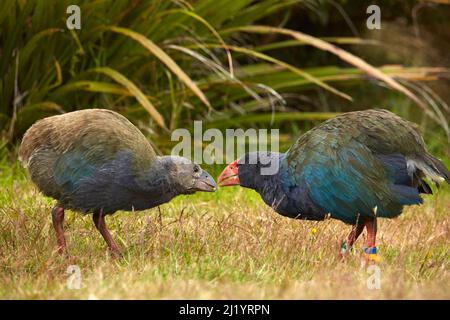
[229,176]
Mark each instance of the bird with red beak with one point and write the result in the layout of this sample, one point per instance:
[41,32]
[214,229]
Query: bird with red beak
[253,170]
[357,167]
[230,175]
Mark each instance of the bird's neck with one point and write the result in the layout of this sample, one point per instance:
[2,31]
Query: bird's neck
[158,178]
[284,195]
[277,192]
[274,191]
[153,186]
[272,186]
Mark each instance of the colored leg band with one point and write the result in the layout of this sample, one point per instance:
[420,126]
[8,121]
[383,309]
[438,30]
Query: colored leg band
[371,250]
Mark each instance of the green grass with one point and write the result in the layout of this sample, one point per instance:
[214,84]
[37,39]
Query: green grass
[223,245]
[165,63]
[162,63]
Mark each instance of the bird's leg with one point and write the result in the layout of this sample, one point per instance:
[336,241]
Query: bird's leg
[99,221]
[58,221]
[353,235]
[371,250]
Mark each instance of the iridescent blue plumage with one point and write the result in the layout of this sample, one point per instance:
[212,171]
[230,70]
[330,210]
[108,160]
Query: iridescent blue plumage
[354,168]
[96,161]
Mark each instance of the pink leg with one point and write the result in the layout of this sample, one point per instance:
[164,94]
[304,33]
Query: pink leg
[354,234]
[352,237]
[99,221]
[371,226]
[58,224]
[371,250]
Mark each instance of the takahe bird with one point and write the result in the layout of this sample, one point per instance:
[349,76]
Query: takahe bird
[96,161]
[355,167]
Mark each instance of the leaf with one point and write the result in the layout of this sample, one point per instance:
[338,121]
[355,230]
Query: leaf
[288,66]
[59,78]
[134,90]
[342,54]
[295,43]
[164,58]
[33,42]
[269,117]
[213,31]
[93,86]
[29,114]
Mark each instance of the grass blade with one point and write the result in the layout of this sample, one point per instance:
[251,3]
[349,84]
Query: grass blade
[288,66]
[92,86]
[134,90]
[342,54]
[212,30]
[269,117]
[164,58]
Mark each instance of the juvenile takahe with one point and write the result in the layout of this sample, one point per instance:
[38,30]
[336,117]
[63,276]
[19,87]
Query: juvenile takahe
[354,168]
[96,161]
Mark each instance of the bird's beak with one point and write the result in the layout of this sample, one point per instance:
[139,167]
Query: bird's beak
[205,183]
[229,176]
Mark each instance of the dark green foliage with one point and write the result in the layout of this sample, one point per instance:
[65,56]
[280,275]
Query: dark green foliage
[46,69]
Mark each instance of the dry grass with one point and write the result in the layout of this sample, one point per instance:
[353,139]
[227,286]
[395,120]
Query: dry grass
[221,246]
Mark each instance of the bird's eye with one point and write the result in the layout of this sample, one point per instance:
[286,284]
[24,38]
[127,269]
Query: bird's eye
[196,169]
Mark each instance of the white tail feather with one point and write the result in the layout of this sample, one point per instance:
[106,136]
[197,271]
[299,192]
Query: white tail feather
[429,171]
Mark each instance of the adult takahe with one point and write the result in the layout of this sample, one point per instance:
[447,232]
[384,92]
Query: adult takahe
[96,161]
[354,168]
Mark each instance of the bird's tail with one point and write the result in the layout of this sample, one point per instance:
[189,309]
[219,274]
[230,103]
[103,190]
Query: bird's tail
[430,167]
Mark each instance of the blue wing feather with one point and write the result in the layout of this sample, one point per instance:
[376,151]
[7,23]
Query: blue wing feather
[71,168]
[347,180]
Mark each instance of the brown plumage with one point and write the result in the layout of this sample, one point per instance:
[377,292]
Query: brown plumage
[96,161]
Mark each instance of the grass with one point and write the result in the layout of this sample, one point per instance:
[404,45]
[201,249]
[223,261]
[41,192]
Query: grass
[165,63]
[224,245]
[213,60]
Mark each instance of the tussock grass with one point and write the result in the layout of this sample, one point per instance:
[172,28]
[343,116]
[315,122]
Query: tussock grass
[223,245]
[165,63]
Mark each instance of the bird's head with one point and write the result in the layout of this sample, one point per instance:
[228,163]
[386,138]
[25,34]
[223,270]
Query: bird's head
[251,170]
[188,177]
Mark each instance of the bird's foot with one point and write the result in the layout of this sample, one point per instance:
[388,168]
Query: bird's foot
[116,253]
[61,251]
[372,255]
[344,251]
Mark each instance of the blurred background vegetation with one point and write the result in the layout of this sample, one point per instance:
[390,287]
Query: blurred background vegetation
[241,63]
